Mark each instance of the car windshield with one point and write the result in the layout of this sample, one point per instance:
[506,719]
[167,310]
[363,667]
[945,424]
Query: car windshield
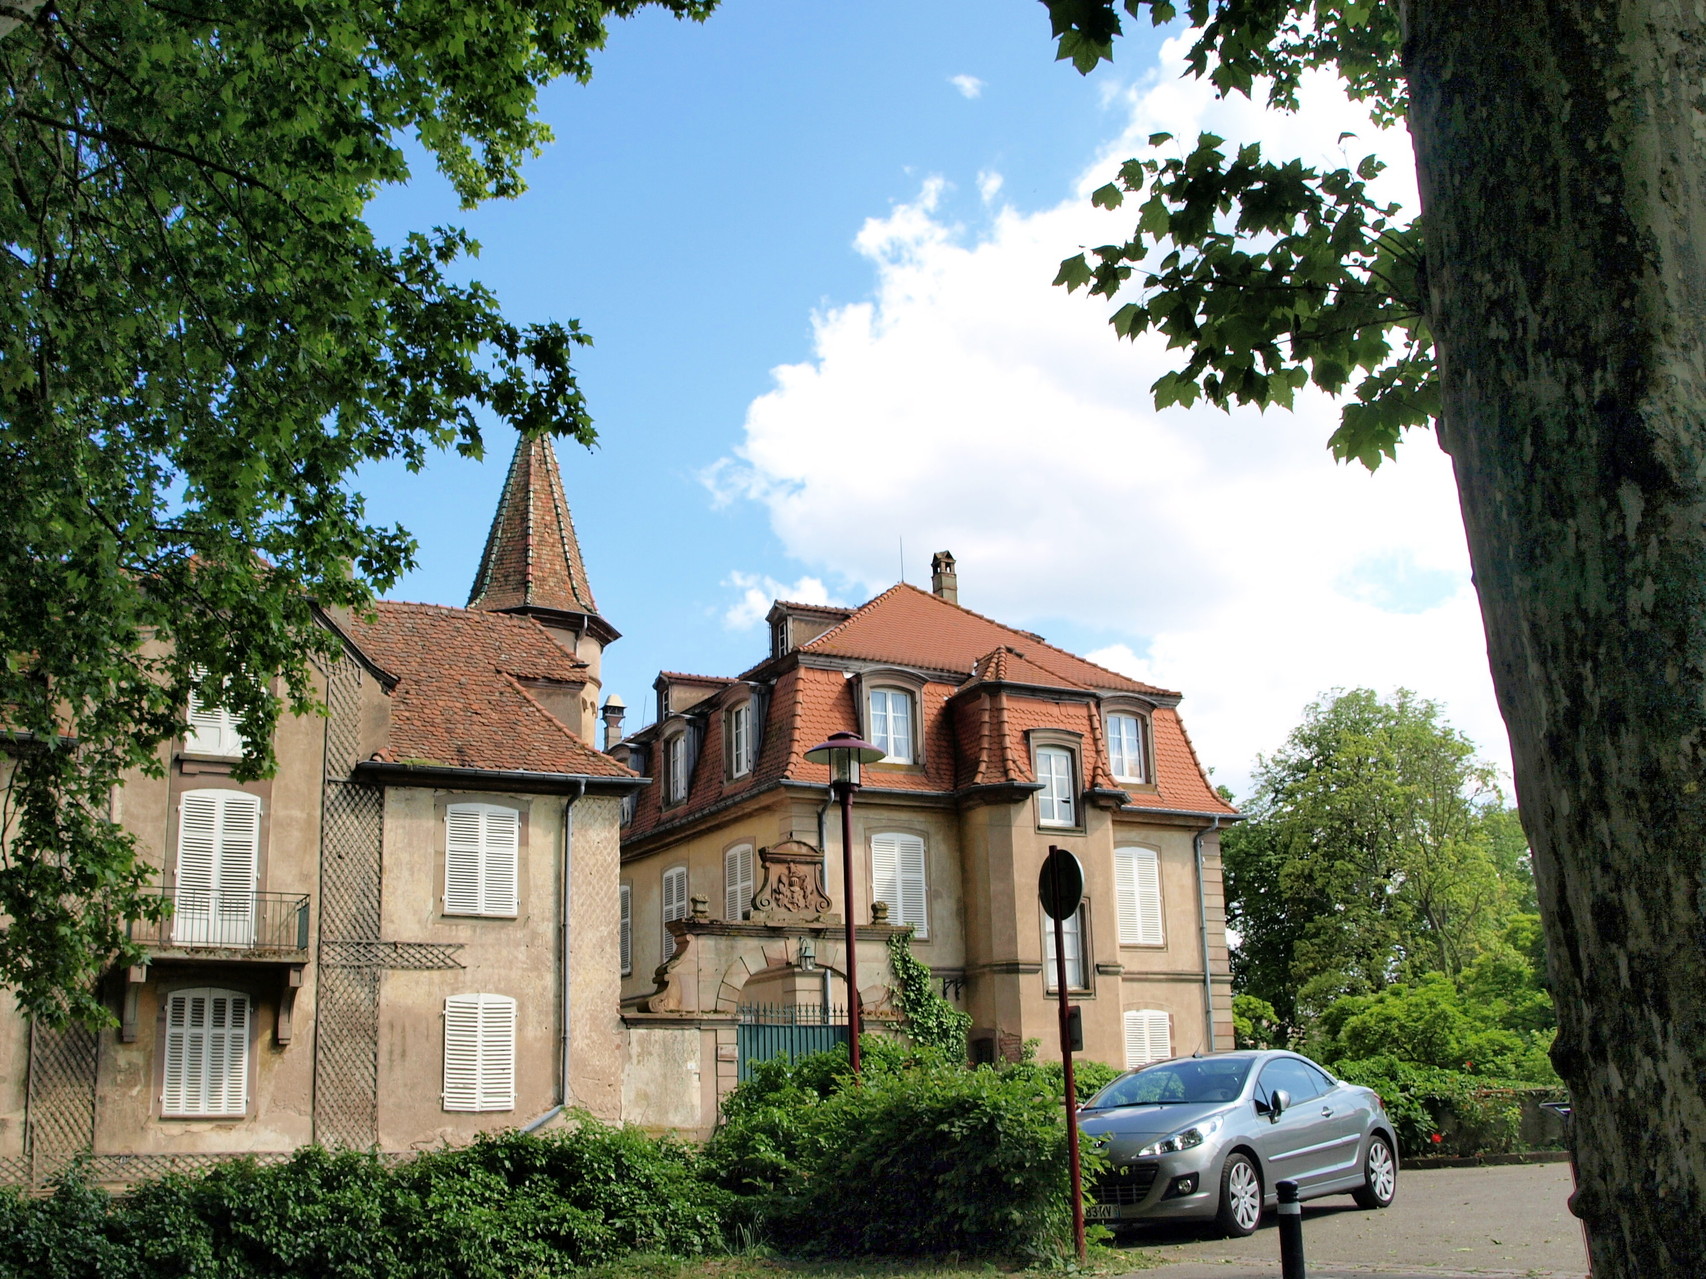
[1195,1081]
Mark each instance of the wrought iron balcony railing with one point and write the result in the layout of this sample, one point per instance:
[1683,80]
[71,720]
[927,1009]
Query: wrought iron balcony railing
[202,919]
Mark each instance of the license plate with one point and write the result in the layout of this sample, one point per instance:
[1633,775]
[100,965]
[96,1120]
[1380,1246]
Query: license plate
[1101,1212]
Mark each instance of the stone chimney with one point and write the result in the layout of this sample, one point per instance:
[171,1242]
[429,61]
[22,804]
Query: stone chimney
[943,581]
[614,709]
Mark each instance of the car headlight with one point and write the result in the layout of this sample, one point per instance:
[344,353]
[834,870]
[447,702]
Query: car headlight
[1184,1139]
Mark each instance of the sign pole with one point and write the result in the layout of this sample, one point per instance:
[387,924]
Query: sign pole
[1071,1088]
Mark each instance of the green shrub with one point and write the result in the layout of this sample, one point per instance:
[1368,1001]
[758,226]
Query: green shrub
[506,1205]
[1446,1112]
[924,1156]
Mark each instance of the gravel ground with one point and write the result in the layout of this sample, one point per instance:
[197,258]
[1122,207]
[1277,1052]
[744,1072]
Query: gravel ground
[1445,1221]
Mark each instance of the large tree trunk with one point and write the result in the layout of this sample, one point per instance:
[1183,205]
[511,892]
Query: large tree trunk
[1562,155]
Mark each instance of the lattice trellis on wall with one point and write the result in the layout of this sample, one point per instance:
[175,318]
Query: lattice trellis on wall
[346,1038]
[61,1113]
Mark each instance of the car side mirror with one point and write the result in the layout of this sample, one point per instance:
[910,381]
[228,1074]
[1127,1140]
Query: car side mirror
[1278,1103]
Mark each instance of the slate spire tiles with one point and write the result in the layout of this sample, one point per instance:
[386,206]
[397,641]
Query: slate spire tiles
[533,558]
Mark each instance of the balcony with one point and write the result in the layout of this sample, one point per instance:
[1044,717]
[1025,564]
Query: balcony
[253,926]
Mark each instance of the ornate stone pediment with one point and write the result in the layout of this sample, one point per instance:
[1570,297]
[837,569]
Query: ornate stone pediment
[793,889]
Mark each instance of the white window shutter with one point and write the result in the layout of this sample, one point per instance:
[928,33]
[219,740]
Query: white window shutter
[502,849]
[212,729]
[674,903]
[1148,868]
[1148,1036]
[1125,891]
[898,880]
[482,844]
[198,853]
[462,1052]
[627,943]
[737,882]
[462,860]
[497,1053]
[207,1053]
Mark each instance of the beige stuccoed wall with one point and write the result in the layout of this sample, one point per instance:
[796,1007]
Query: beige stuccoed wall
[129,1076]
[515,957]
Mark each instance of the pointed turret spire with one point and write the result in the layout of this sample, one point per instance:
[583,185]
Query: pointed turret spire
[533,560]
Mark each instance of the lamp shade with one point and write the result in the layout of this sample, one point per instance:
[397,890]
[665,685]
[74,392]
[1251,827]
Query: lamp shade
[844,752]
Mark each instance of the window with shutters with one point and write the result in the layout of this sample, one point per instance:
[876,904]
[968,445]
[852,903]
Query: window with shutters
[738,741]
[1073,932]
[891,724]
[674,903]
[627,944]
[897,879]
[207,1053]
[737,882]
[479,1052]
[213,894]
[1057,802]
[482,848]
[1126,758]
[212,729]
[1137,883]
[1148,1036]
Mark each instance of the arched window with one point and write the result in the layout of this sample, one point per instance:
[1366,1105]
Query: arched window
[1072,933]
[1137,883]
[1127,758]
[481,853]
[739,739]
[1057,802]
[479,1053]
[207,1053]
[897,879]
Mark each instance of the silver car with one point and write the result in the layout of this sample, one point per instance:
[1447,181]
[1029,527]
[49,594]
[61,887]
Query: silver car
[1210,1137]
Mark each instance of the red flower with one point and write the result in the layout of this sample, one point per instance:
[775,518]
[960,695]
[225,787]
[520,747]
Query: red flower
[1436,1138]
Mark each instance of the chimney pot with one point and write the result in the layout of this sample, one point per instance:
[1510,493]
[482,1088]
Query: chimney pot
[614,709]
[944,583]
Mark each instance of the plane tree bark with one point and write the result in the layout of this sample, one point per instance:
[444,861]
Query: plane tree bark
[1548,312]
[1561,150]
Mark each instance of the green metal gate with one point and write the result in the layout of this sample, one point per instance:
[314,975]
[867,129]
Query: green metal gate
[767,1031]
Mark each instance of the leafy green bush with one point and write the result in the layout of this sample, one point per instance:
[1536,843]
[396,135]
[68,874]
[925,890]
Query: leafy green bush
[1446,1112]
[931,1021]
[924,1156]
[508,1204]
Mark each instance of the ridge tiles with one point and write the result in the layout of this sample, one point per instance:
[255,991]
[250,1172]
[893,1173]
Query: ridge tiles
[532,557]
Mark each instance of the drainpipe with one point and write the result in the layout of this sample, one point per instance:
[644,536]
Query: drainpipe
[568,951]
[1202,920]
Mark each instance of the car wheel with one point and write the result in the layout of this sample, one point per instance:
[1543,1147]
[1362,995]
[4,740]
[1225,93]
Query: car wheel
[1380,1175]
[1240,1196]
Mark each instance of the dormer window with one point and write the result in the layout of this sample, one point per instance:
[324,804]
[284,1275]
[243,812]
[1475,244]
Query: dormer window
[1127,759]
[1057,803]
[738,738]
[891,724]
[676,768]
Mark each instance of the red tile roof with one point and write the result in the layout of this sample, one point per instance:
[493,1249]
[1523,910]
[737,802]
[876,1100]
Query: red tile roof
[532,556]
[911,627]
[974,730]
[459,701]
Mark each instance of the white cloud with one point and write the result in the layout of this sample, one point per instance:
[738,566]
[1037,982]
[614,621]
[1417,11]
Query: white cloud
[759,591]
[970,405]
[968,85]
[988,186]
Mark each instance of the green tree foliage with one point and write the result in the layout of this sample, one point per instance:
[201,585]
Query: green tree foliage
[1377,849]
[200,340]
[1270,274]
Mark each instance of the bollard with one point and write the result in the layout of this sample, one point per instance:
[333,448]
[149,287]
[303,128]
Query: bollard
[1290,1231]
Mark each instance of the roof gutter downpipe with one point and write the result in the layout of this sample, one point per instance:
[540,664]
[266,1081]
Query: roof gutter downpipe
[1202,921]
[563,1094]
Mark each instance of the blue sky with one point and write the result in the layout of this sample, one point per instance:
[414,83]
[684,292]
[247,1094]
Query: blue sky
[812,242]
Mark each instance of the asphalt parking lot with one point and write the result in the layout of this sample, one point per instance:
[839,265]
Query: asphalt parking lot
[1446,1221]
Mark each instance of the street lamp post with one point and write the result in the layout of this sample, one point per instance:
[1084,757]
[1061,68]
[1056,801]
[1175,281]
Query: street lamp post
[844,753]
